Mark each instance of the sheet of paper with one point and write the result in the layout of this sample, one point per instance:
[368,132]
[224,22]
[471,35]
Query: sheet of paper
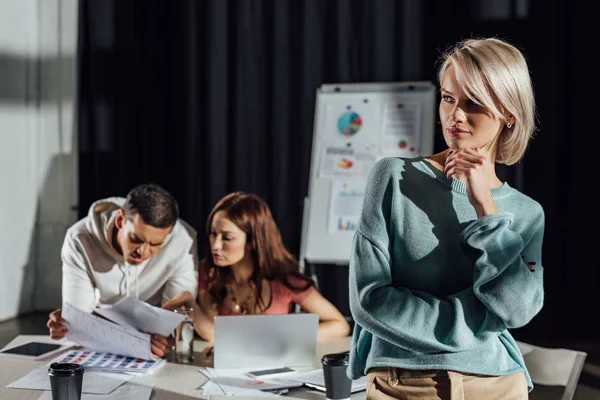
[345,205]
[108,362]
[236,380]
[261,396]
[211,389]
[401,129]
[128,391]
[345,163]
[316,380]
[142,316]
[350,120]
[99,334]
[38,379]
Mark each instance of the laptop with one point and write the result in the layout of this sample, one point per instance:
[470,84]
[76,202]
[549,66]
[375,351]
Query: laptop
[250,341]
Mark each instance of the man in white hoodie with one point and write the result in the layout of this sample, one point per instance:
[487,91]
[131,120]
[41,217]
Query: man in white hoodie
[136,246]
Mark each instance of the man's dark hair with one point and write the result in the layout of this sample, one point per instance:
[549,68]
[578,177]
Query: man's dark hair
[155,206]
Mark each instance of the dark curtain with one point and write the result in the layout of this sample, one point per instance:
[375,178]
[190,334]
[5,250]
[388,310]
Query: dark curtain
[208,97]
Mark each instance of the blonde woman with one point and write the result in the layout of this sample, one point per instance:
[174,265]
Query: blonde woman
[447,257]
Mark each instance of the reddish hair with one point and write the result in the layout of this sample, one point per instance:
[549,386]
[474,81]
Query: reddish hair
[272,261]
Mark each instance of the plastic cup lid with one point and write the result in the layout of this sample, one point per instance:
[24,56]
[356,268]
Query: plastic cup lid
[65,369]
[335,359]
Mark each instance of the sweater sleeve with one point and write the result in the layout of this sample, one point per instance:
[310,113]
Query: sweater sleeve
[184,274]
[502,279]
[77,283]
[298,296]
[411,320]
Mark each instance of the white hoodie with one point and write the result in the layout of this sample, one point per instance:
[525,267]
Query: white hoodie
[95,274]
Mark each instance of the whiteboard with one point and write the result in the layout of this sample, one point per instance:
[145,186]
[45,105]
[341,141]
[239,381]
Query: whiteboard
[356,125]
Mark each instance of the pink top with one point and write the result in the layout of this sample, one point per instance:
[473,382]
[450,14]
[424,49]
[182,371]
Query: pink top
[282,297]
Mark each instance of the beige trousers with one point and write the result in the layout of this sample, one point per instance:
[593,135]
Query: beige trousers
[394,383]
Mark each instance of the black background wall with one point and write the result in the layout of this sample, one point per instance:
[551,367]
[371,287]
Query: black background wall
[207,97]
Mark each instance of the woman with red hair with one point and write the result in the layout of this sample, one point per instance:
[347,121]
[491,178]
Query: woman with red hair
[248,270]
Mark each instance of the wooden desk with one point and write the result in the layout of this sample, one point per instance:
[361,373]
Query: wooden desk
[170,382]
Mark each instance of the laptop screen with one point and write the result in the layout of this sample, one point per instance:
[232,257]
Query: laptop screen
[285,340]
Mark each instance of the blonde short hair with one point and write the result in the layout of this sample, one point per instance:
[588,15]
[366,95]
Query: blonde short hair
[494,74]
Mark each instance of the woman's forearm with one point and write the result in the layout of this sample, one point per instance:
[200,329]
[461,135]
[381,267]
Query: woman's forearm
[333,329]
[204,326]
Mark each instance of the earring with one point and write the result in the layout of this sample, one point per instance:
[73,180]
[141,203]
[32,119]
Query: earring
[509,125]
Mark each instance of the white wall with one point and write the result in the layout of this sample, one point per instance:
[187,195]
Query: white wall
[38,162]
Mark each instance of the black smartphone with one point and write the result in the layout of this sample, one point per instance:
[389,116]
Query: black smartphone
[33,349]
[270,371]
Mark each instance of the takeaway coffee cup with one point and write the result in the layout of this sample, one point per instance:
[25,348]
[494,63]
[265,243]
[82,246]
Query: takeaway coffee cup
[337,384]
[65,381]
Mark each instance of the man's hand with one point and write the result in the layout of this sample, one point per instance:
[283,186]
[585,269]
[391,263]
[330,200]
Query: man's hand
[57,325]
[160,345]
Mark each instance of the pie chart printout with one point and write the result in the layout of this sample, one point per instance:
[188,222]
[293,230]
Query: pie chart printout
[349,123]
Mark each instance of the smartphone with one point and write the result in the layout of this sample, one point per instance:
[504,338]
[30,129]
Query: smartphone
[32,349]
[273,371]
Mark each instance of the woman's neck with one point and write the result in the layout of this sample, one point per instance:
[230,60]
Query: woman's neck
[242,271]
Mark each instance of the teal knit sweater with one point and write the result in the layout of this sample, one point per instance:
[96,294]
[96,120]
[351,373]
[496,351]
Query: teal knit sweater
[434,287]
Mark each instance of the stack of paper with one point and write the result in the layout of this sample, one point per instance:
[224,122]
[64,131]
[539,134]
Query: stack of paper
[237,382]
[123,328]
[108,362]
